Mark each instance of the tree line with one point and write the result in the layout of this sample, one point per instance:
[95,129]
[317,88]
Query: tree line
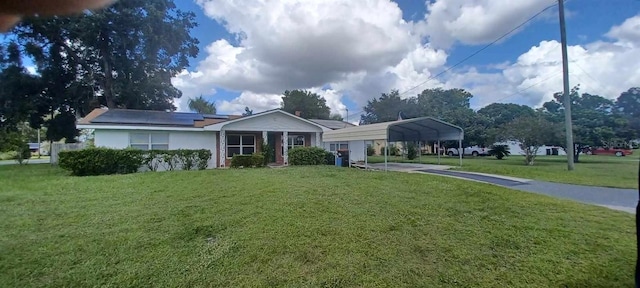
[597,121]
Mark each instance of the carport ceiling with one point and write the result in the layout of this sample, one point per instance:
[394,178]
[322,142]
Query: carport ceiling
[417,129]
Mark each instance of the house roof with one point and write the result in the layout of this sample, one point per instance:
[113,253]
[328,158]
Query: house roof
[416,129]
[221,124]
[178,120]
[332,124]
[152,118]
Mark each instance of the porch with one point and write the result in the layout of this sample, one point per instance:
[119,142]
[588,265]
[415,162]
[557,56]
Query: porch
[233,142]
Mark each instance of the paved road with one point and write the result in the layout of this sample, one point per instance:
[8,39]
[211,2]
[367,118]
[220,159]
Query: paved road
[614,198]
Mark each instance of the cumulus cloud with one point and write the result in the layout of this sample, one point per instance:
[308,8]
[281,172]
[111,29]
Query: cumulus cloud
[256,102]
[474,22]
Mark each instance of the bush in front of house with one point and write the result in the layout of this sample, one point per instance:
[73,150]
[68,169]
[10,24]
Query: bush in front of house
[393,150]
[247,161]
[307,156]
[412,151]
[105,161]
[370,151]
[330,158]
[101,161]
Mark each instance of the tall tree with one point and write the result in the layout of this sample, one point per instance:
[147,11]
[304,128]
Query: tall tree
[126,54]
[310,105]
[628,107]
[531,132]
[446,105]
[594,120]
[387,108]
[202,105]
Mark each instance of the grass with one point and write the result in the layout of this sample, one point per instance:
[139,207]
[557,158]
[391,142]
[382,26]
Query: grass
[605,171]
[300,227]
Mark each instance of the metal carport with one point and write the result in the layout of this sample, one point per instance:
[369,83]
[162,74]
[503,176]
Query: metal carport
[416,129]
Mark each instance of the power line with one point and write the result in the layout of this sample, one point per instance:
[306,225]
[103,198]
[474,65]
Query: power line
[481,49]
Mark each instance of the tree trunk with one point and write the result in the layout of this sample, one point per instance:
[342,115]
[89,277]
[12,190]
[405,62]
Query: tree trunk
[576,154]
[107,69]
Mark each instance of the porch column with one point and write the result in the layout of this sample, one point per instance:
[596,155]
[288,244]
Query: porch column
[318,141]
[223,148]
[265,134]
[285,147]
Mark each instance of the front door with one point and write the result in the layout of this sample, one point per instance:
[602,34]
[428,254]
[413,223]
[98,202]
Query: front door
[272,146]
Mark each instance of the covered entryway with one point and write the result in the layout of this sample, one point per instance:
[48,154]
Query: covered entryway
[410,130]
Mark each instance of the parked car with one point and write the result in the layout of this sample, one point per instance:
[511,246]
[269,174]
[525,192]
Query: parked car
[473,151]
[619,152]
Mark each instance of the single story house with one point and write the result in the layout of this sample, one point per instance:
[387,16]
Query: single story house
[223,135]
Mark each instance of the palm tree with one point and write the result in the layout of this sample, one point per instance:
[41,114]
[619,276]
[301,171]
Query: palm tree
[500,151]
[201,105]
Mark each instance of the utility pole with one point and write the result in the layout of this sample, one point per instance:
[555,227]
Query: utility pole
[568,126]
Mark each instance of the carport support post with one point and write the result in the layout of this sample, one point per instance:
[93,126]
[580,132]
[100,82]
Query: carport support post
[460,151]
[365,154]
[386,153]
[438,151]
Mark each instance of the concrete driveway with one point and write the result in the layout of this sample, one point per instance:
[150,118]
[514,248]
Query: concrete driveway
[613,198]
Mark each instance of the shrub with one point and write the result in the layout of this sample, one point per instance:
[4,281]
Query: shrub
[307,156]
[370,151]
[101,161]
[393,150]
[330,158]
[247,161]
[412,151]
[104,161]
[500,151]
[267,153]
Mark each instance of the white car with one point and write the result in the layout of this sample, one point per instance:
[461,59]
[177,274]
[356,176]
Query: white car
[473,151]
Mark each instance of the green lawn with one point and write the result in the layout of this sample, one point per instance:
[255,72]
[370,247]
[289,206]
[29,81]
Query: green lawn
[606,171]
[300,227]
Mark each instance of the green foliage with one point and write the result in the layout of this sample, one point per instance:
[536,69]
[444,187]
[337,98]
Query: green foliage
[499,151]
[202,105]
[247,161]
[8,155]
[310,105]
[15,146]
[307,156]
[104,161]
[393,150]
[412,151]
[530,133]
[370,151]
[101,161]
[268,153]
[330,158]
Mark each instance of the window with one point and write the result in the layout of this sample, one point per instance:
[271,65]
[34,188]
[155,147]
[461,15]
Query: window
[296,141]
[241,145]
[149,141]
[333,147]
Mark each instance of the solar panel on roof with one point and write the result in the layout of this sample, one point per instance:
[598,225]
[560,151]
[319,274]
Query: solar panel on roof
[147,117]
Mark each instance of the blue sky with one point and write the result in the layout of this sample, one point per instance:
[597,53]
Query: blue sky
[249,70]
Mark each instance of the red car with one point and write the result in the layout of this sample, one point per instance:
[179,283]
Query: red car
[610,151]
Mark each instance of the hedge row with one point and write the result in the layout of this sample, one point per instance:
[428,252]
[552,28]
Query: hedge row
[104,161]
[310,156]
[247,161]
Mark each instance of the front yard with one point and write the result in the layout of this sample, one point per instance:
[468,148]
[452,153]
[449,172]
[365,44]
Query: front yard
[300,226]
[605,171]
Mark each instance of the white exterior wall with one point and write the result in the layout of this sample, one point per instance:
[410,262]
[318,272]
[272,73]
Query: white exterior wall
[194,140]
[514,148]
[357,150]
[119,139]
[116,139]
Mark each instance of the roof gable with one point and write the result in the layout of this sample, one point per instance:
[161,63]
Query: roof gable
[271,120]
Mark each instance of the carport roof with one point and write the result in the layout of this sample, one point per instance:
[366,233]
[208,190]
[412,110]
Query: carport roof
[416,129]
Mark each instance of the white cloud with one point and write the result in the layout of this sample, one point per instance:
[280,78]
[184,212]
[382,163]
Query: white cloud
[475,22]
[628,32]
[255,102]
